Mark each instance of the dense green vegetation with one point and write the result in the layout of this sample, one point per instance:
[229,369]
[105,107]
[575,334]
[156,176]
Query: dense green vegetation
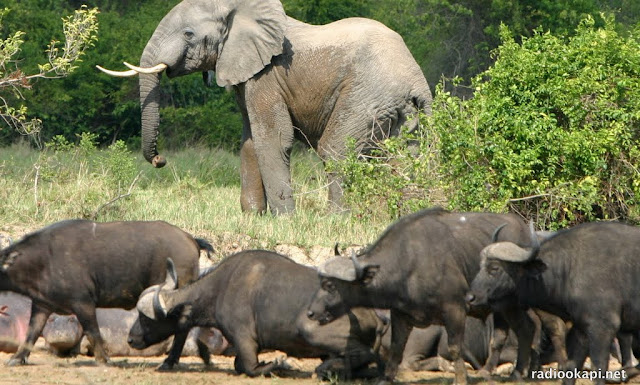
[447,37]
[535,111]
[552,133]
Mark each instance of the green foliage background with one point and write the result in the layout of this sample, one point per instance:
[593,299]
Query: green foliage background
[552,133]
[536,105]
[448,38]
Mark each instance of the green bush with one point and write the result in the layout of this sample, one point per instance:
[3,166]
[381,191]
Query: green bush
[551,133]
[398,178]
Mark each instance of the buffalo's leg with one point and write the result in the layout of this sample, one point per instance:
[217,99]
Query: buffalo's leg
[431,364]
[174,353]
[454,317]
[496,344]
[415,349]
[247,358]
[203,352]
[87,318]
[524,328]
[577,349]
[557,330]
[600,340]
[37,321]
[400,329]
[349,354]
[536,343]
[626,354]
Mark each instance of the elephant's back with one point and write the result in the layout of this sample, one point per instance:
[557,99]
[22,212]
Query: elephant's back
[355,40]
[350,31]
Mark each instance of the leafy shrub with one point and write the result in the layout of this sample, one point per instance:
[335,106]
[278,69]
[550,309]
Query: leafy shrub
[551,133]
[399,177]
[119,165]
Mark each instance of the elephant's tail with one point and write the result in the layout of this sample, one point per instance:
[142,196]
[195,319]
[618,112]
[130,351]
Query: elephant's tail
[422,98]
[421,101]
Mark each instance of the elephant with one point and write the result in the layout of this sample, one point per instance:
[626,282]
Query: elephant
[353,79]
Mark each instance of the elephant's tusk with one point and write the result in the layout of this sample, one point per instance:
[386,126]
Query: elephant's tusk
[120,74]
[152,70]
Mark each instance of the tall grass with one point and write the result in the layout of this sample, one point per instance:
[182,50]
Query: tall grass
[198,191]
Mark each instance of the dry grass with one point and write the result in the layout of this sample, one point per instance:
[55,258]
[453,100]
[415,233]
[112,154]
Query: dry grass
[198,191]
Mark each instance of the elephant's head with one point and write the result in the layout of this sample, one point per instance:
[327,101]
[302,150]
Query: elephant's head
[234,38]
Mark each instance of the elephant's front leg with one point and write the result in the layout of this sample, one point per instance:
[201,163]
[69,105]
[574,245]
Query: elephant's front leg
[252,194]
[272,133]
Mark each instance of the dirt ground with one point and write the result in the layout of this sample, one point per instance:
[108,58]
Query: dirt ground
[44,368]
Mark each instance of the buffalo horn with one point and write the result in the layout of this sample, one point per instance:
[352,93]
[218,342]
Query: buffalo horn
[357,266]
[535,242]
[338,267]
[159,309]
[505,251]
[494,237]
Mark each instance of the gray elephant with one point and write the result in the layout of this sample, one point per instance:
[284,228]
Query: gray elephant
[353,78]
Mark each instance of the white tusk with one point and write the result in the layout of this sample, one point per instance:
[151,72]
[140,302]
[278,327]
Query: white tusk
[120,74]
[153,70]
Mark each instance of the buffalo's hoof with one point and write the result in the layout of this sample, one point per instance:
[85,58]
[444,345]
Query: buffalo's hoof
[17,361]
[484,373]
[165,367]
[631,372]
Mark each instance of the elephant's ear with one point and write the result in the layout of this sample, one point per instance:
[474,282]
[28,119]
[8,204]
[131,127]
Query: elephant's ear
[255,35]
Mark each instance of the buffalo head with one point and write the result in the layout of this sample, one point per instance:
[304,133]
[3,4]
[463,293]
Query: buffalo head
[156,320]
[343,283]
[502,267]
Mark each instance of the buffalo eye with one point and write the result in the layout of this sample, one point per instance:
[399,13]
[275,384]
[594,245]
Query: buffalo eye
[329,286]
[492,270]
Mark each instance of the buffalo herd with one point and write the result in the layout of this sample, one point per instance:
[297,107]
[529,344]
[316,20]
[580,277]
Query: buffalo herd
[438,290]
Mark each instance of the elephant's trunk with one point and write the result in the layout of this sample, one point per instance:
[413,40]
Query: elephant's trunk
[149,103]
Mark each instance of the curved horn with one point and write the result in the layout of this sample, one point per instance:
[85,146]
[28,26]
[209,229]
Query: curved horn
[159,308]
[535,242]
[152,70]
[505,251]
[119,74]
[510,252]
[357,266]
[494,237]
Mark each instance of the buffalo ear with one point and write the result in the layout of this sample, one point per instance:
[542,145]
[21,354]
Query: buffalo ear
[369,272]
[535,268]
[182,313]
[255,35]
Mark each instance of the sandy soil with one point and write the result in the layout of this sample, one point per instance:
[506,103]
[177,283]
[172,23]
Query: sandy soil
[44,368]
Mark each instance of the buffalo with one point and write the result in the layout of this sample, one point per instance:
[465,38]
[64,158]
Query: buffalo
[258,300]
[75,266]
[586,274]
[421,268]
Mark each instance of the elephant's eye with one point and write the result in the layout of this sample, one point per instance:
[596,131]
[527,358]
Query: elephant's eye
[188,34]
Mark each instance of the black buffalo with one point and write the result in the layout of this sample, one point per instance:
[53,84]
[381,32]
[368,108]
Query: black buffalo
[74,266]
[587,274]
[421,268]
[258,299]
